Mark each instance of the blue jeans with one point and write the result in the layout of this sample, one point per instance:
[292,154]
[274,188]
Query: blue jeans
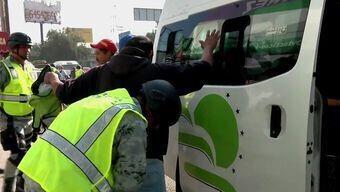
[154,180]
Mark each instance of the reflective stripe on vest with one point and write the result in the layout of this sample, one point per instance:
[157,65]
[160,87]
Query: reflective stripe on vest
[78,158]
[13,74]
[75,153]
[99,126]
[14,98]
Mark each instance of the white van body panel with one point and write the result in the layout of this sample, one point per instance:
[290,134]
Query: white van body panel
[262,163]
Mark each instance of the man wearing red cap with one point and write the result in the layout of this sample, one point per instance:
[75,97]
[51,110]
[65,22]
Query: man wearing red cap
[105,49]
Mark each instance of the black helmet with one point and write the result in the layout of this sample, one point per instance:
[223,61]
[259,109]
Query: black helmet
[18,38]
[162,98]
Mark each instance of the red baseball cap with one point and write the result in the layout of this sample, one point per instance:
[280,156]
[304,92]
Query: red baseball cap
[105,44]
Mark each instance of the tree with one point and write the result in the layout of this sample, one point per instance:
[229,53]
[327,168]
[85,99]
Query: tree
[61,46]
[84,54]
[58,47]
[35,52]
[151,35]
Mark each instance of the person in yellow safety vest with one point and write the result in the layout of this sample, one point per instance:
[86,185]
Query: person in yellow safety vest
[99,143]
[78,71]
[16,78]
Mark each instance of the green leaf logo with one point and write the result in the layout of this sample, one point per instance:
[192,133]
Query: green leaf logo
[216,117]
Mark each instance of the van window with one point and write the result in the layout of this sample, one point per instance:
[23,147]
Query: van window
[170,47]
[272,43]
[254,47]
[259,47]
[162,45]
[199,33]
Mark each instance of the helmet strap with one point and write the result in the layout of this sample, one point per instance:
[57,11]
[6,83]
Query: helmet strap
[23,58]
[16,52]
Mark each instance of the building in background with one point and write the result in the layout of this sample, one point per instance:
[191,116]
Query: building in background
[84,33]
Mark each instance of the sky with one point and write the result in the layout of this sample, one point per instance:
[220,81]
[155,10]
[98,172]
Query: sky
[101,15]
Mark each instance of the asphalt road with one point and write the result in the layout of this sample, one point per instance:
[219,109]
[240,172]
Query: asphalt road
[3,158]
[171,187]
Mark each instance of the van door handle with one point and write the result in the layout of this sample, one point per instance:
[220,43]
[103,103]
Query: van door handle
[275,121]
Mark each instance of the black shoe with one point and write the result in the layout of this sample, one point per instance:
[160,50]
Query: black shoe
[20,185]
[9,184]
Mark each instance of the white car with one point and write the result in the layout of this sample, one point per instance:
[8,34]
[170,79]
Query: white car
[67,66]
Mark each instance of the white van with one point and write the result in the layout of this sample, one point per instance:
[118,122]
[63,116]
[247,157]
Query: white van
[256,124]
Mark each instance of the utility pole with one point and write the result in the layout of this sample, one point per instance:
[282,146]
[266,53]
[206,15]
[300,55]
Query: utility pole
[42,32]
[4,16]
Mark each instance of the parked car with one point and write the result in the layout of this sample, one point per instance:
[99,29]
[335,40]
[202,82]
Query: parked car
[67,66]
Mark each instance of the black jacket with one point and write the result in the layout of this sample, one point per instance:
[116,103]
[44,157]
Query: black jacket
[130,72]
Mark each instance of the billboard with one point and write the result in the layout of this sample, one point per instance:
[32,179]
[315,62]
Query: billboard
[3,40]
[41,12]
[141,14]
[84,33]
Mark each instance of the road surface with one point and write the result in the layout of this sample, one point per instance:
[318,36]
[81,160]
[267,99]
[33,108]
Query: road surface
[171,187]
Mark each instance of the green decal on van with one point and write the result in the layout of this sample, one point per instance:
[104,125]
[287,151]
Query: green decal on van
[197,143]
[186,114]
[214,114]
[216,117]
[208,178]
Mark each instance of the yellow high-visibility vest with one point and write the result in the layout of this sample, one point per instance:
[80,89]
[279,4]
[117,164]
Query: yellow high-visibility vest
[78,73]
[75,153]
[15,95]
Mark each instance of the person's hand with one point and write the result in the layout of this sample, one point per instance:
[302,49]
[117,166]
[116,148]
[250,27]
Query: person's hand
[208,45]
[210,42]
[50,77]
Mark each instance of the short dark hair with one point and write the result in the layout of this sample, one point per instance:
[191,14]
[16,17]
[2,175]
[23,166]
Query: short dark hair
[141,42]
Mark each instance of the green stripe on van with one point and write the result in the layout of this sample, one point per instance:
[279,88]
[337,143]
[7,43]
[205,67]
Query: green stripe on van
[186,113]
[298,4]
[197,143]
[208,178]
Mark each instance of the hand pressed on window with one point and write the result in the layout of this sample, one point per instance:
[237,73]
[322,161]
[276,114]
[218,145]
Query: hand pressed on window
[209,44]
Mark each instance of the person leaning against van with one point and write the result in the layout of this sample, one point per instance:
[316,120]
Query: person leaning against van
[16,77]
[130,69]
[105,149]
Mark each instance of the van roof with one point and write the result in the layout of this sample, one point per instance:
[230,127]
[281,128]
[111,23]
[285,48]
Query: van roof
[181,9]
[66,63]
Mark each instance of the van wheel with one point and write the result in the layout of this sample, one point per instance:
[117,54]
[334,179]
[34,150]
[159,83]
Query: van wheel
[178,182]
